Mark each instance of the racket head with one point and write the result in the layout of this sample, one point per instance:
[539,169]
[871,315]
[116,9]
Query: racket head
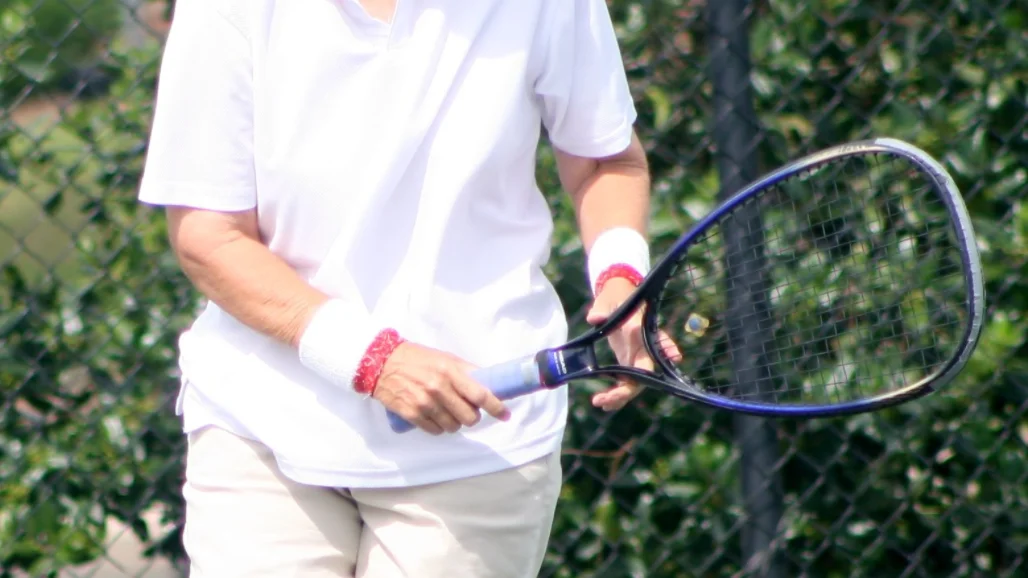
[844,282]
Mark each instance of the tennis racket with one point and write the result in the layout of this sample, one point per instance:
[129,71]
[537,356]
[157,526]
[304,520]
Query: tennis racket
[844,282]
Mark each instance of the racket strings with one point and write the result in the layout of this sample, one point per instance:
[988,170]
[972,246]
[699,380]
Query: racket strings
[840,283]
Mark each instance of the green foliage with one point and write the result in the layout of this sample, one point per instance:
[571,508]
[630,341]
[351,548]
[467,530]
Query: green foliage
[43,42]
[934,488]
[86,430]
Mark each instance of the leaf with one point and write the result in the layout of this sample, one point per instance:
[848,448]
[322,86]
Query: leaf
[661,107]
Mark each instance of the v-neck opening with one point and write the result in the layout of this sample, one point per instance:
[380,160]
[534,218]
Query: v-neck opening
[394,29]
[382,29]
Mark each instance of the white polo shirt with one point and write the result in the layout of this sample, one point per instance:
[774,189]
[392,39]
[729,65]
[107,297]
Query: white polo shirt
[393,166]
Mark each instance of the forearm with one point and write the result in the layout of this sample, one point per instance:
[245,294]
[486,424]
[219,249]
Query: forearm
[616,196]
[229,265]
[608,193]
[612,204]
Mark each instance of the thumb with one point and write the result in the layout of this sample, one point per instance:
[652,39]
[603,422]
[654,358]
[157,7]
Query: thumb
[599,312]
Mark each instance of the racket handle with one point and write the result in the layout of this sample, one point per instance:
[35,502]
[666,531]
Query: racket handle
[506,380]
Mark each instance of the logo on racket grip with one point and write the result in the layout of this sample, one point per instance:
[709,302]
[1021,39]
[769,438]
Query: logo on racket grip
[558,357]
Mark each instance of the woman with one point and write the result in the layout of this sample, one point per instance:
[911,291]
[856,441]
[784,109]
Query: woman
[351,185]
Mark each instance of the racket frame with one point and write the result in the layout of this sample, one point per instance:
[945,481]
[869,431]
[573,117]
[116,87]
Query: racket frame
[577,358]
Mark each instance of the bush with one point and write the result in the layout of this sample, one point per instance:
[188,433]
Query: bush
[934,488]
[50,44]
[86,430]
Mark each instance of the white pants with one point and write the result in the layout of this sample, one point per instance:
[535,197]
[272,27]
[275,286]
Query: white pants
[244,518]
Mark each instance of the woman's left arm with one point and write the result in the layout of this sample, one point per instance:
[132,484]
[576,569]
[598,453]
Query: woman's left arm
[611,197]
[608,193]
[588,111]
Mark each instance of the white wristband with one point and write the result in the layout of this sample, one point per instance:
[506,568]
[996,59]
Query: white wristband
[621,245]
[335,341]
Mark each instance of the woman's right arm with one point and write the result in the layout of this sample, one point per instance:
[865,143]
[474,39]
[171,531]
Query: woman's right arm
[200,167]
[223,256]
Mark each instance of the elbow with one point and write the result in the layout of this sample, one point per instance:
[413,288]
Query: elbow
[198,236]
[631,161]
[194,258]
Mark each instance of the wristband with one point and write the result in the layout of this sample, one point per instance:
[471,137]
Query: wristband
[335,341]
[374,361]
[623,247]
[620,271]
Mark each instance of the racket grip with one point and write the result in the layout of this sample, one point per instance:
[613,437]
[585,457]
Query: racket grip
[506,380]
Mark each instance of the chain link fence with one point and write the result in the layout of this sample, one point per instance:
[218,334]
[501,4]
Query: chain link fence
[91,301]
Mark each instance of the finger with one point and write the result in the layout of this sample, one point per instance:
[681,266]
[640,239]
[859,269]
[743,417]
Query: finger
[430,422]
[598,313]
[429,426]
[627,344]
[436,401]
[423,423]
[631,353]
[668,347]
[412,405]
[452,409]
[641,359]
[427,415]
[629,350]
[475,393]
[445,420]
[479,396]
[616,397]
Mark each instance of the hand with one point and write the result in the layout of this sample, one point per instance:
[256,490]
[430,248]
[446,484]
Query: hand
[626,342]
[432,390]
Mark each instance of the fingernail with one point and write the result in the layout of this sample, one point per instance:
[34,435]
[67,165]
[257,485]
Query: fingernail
[505,416]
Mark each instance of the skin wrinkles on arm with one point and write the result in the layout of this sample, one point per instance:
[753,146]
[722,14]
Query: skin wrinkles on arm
[223,256]
[222,253]
[607,192]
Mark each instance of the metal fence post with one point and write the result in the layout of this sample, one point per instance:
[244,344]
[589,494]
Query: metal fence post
[92,303]
[735,130]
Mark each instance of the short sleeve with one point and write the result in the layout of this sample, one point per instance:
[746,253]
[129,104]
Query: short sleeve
[200,152]
[587,107]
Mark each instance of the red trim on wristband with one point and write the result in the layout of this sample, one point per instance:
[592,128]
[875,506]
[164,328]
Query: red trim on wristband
[620,270]
[370,369]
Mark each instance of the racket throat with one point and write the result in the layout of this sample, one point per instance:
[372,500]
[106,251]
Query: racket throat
[558,366]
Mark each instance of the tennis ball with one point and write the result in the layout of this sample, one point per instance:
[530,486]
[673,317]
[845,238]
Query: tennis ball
[697,325]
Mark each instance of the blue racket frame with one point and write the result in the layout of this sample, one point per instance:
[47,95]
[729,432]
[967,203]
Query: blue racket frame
[555,367]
